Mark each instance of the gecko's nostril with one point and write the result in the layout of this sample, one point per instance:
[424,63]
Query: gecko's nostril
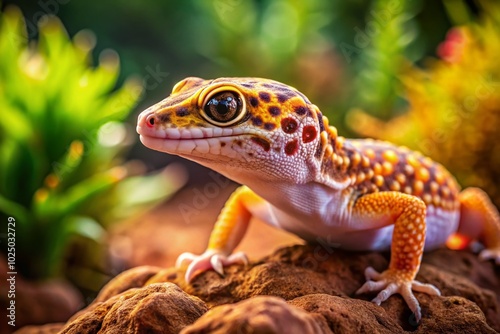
[150,120]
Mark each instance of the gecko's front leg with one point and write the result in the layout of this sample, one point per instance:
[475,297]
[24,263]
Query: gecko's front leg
[407,213]
[228,231]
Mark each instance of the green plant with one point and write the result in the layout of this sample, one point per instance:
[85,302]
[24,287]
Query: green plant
[62,141]
[453,114]
[386,39]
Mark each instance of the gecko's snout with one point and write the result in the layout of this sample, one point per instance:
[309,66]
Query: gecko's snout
[150,120]
[147,118]
[146,122]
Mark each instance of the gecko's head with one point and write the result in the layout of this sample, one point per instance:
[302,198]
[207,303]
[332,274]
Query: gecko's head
[236,125]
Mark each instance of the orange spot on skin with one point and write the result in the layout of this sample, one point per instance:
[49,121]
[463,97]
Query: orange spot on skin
[427,162]
[434,187]
[458,241]
[347,161]
[422,174]
[339,143]
[378,180]
[365,161]
[427,198]
[387,168]
[439,176]
[369,174]
[390,156]
[324,138]
[401,178]
[395,186]
[418,187]
[356,159]
[333,132]
[409,170]
[436,200]
[329,151]
[412,161]
[370,153]
[339,161]
[360,177]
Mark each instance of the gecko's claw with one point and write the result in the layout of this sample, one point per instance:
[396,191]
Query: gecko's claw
[490,254]
[189,257]
[210,259]
[389,283]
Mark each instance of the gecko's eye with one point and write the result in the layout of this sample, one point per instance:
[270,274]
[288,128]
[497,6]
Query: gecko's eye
[223,108]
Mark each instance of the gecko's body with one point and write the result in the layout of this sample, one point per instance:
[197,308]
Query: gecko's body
[299,175]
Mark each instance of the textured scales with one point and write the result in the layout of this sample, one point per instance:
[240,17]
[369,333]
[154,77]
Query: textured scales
[299,175]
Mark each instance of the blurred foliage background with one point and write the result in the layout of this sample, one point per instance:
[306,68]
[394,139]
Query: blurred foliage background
[419,73]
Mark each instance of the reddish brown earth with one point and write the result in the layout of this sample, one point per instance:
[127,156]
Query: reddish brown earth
[296,289]
[35,302]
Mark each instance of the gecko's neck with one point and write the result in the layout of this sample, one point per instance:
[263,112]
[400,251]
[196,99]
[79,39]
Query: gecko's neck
[334,155]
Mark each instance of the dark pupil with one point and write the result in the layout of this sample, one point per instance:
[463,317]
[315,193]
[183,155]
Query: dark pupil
[223,107]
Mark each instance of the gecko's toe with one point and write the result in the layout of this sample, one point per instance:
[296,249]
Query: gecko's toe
[200,263]
[383,295]
[210,259]
[371,273]
[216,262]
[184,257]
[391,282]
[410,299]
[370,286]
[490,254]
[425,288]
[239,257]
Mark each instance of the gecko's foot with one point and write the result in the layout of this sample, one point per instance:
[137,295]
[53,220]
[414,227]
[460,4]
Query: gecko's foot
[210,259]
[391,282]
[490,254]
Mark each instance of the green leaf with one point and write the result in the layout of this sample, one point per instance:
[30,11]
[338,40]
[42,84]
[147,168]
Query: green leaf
[85,227]
[61,234]
[56,205]
[13,209]
[137,193]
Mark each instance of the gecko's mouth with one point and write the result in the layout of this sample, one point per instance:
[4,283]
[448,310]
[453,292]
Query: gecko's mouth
[174,134]
[187,134]
[189,146]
